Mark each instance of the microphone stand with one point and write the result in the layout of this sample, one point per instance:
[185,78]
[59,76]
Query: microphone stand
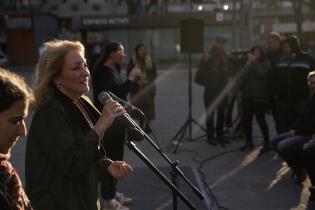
[175,170]
[131,145]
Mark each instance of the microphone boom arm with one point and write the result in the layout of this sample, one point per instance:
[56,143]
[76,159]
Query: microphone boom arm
[103,96]
[174,165]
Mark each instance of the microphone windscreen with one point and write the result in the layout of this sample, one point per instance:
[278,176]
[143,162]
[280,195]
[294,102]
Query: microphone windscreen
[103,97]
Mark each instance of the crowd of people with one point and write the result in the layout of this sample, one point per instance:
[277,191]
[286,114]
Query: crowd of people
[276,77]
[75,145]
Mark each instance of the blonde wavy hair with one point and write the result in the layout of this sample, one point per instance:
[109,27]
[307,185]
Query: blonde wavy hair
[50,65]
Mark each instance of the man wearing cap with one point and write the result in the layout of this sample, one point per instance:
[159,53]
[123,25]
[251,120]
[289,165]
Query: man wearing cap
[217,67]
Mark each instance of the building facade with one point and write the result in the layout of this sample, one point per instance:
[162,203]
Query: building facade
[153,23]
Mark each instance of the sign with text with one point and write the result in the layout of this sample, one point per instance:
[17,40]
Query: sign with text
[104,21]
[219,16]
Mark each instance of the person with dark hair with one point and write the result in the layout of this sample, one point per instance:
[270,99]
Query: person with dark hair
[106,77]
[216,77]
[290,87]
[143,92]
[255,95]
[64,155]
[15,97]
[308,163]
[273,42]
[308,155]
[289,144]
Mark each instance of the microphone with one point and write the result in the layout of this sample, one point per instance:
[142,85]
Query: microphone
[122,102]
[129,107]
[124,119]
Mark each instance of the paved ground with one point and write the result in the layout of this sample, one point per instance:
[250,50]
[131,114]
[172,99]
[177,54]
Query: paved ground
[233,180]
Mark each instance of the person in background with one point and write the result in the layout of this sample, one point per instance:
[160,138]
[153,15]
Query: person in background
[15,97]
[233,121]
[290,87]
[273,42]
[143,92]
[106,77]
[255,95]
[289,144]
[308,163]
[64,155]
[202,73]
[217,69]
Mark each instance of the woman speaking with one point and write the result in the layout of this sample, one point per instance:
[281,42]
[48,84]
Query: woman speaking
[64,154]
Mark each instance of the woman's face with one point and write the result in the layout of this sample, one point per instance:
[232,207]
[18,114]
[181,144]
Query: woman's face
[257,54]
[12,125]
[119,56]
[141,52]
[286,48]
[73,80]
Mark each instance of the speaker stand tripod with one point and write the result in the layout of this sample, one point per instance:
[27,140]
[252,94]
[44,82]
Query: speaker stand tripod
[179,136]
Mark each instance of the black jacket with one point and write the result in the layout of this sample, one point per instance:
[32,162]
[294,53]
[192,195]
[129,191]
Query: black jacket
[305,124]
[291,76]
[254,84]
[63,162]
[107,79]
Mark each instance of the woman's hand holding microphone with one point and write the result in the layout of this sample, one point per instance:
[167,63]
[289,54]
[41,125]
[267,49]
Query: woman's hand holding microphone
[111,110]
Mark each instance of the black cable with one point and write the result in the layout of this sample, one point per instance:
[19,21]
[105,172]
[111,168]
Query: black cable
[203,179]
[209,192]
[200,162]
[203,175]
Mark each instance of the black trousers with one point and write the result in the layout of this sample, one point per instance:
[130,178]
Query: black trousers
[251,108]
[213,106]
[308,157]
[114,141]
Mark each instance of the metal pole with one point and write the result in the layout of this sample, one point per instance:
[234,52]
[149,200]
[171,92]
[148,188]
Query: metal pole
[250,23]
[131,145]
[189,96]
[242,23]
[234,46]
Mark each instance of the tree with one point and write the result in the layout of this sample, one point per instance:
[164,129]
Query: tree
[297,6]
[298,16]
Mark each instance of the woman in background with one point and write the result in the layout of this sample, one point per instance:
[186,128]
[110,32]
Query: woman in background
[143,91]
[106,77]
[255,95]
[15,97]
